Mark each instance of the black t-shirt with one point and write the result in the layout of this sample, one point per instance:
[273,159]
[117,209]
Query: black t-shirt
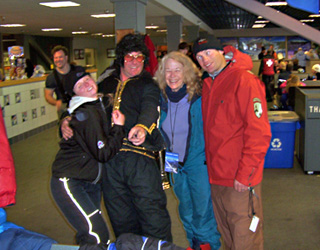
[52,84]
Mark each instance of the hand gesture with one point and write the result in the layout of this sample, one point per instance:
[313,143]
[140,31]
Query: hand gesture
[137,135]
[66,131]
[118,118]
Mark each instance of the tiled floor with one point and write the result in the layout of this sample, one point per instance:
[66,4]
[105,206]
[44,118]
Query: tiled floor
[291,200]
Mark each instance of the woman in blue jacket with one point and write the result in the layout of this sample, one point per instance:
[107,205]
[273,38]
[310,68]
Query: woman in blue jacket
[181,125]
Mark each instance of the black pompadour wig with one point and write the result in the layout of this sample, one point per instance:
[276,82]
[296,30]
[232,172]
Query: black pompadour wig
[131,43]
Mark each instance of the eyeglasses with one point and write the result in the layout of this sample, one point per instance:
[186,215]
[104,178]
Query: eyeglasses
[130,57]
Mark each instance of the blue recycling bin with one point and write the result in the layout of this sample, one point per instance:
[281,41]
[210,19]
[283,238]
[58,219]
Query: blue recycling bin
[283,128]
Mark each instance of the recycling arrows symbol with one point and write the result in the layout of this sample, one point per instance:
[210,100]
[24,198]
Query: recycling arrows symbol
[276,143]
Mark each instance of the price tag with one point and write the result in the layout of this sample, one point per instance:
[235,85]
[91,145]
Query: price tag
[254,223]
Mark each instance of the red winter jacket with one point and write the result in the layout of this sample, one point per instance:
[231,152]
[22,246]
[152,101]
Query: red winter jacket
[236,127]
[153,61]
[8,186]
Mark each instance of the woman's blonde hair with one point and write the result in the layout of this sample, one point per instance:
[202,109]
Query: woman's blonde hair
[293,81]
[191,74]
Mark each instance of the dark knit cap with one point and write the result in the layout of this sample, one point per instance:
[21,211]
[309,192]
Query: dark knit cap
[72,78]
[203,44]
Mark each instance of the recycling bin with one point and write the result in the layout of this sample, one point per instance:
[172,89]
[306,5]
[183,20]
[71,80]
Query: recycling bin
[283,128]
[307,106]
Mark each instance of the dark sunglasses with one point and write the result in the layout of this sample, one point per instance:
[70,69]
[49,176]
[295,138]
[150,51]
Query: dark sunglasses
[130,57]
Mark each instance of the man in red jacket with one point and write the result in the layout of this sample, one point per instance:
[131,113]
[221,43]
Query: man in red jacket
[237,136]
[267,69]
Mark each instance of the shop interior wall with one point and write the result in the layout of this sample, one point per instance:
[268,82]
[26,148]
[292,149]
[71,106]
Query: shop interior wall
[100,45]
[38,49]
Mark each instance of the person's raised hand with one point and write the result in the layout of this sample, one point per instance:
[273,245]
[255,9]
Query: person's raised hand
[118,118]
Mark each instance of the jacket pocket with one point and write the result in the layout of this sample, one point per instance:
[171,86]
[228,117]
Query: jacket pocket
[222,111]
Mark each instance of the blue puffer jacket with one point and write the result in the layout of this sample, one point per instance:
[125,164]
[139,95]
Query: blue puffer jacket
[13,237]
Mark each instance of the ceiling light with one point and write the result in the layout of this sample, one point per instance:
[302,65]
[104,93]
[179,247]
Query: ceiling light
[108,35]
[260,17]
[12,25]
[276,3]
[314,15]
[262,21]
[161,30]
[258,26]
[79,32]
[96,34]
[152,27]
[103,15]
[307,20]
[60,4]
[51,29]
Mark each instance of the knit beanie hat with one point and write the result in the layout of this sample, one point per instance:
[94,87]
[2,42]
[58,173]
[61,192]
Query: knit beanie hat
[203,44]
[72,78]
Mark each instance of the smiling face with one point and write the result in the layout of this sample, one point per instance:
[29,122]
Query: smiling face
[174,74]
[211,60]
[133,65]
[86,87]
[60,59]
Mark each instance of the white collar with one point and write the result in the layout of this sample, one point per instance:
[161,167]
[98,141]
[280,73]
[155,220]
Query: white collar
[76,101]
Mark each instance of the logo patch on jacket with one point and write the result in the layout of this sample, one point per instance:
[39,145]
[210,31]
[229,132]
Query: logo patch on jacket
[269,63]
[257,107]
[100,144]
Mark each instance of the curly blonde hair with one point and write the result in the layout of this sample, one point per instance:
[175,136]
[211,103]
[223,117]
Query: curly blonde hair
[191,74]
[293,81]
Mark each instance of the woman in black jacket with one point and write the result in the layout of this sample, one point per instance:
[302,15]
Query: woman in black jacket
[76,171]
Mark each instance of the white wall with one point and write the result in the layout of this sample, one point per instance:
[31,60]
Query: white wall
[100,45]
[25,108]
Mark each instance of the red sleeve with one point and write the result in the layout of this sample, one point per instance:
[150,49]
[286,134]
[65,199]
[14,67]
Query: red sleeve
[8,185]
[257,134]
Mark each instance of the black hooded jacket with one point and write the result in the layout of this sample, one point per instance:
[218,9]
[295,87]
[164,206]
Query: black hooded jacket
[139,103]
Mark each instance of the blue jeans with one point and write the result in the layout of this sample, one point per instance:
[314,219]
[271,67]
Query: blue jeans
[80,201]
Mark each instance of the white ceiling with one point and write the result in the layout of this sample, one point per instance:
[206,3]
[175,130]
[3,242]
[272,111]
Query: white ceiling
[36,16]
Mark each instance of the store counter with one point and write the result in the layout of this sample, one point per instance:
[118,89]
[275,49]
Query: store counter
[25,110]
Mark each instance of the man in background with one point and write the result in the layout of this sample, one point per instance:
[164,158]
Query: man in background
[302,59]
[267,70]
[184,48]
[262,53]
[55,81]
